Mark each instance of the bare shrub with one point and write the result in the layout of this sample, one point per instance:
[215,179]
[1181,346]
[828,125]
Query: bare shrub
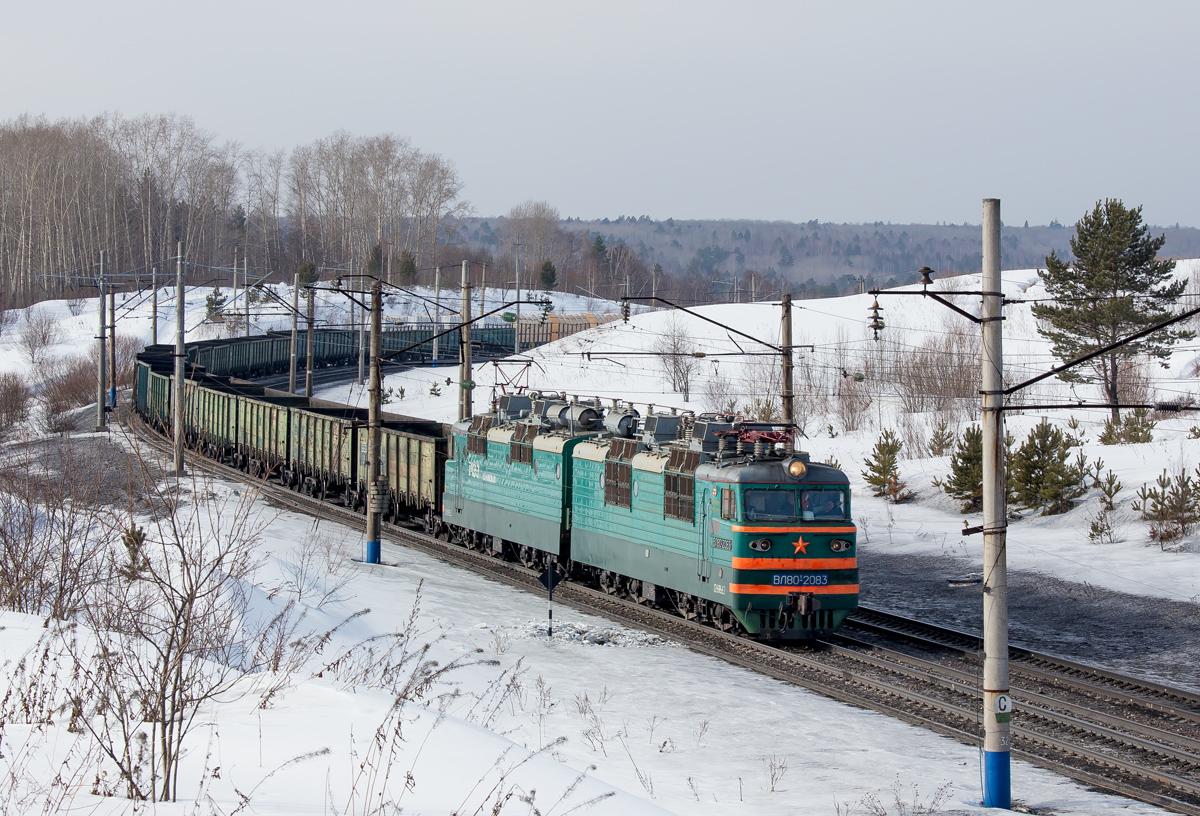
[762,381]
[41,332]
[940,374]
[914,437]
[50,528]
[8,319]
[674,348]
[811,387]
[777,766]
[14,401]
[75,306]
[68,383]
[127,349]
[170,630]
[316,573]
[720,393]
[851,401]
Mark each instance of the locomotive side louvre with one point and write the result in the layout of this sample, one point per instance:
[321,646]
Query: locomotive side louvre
[638,541]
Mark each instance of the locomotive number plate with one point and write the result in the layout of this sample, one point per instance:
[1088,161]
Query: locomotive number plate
[800,580]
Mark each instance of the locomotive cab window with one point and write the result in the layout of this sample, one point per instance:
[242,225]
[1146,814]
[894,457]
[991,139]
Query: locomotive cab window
[728,503]
[823,505]
[771,505]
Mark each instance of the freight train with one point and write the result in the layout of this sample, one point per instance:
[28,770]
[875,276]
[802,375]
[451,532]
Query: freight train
[709,516]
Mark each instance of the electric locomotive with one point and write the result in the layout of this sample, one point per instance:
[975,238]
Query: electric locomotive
[711,516]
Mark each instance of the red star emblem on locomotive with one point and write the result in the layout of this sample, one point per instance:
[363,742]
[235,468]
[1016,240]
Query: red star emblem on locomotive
[801,545]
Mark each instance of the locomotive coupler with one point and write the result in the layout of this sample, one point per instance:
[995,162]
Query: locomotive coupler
[803,603]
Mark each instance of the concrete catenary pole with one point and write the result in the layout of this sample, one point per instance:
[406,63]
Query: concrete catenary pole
[154,307]
[180,356]
[464,353]
[112,347]
[997,705]
[295,333]
[101,360]
[483,290]
[309,342]
[785,342]
[374,434]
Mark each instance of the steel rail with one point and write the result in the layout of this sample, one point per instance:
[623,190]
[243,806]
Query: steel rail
[1129,690]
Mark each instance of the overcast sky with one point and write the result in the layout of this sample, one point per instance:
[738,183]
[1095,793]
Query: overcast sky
[773,110]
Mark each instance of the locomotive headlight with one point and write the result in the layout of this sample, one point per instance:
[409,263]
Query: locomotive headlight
[840,545]
[797,469]
[760,544]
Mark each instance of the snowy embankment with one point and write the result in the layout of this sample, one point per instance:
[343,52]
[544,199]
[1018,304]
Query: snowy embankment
[659,728]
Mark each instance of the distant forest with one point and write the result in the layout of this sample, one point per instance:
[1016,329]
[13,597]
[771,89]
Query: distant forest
[134,187]
[724,259]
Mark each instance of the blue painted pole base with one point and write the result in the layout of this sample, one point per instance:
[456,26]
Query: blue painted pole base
[375,550]
[997,781]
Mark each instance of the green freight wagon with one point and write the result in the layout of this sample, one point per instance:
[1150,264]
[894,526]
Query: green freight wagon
[412,456]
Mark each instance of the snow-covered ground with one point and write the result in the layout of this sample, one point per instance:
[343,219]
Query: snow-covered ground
[661,728]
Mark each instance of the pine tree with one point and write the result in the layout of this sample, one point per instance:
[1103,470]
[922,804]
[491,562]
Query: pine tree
[1041,475]
[883,469]
[599,250]
[407,273]
[1114,287]
[214,304]
[965,481]
[308,273]
[942,439]
[548,275]
[375,262]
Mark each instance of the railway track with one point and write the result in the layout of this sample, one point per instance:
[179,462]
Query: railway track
[1107,730]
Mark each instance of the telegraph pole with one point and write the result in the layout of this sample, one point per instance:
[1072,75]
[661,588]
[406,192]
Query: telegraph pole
[997,703]
[437,310]
[517,322]
[154,307]
[483,290]
[112,345]
[374,488]
[180,354]
[246,287]
[785,342]
[464,354]
[309,342]
[295,332]
[101,396]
